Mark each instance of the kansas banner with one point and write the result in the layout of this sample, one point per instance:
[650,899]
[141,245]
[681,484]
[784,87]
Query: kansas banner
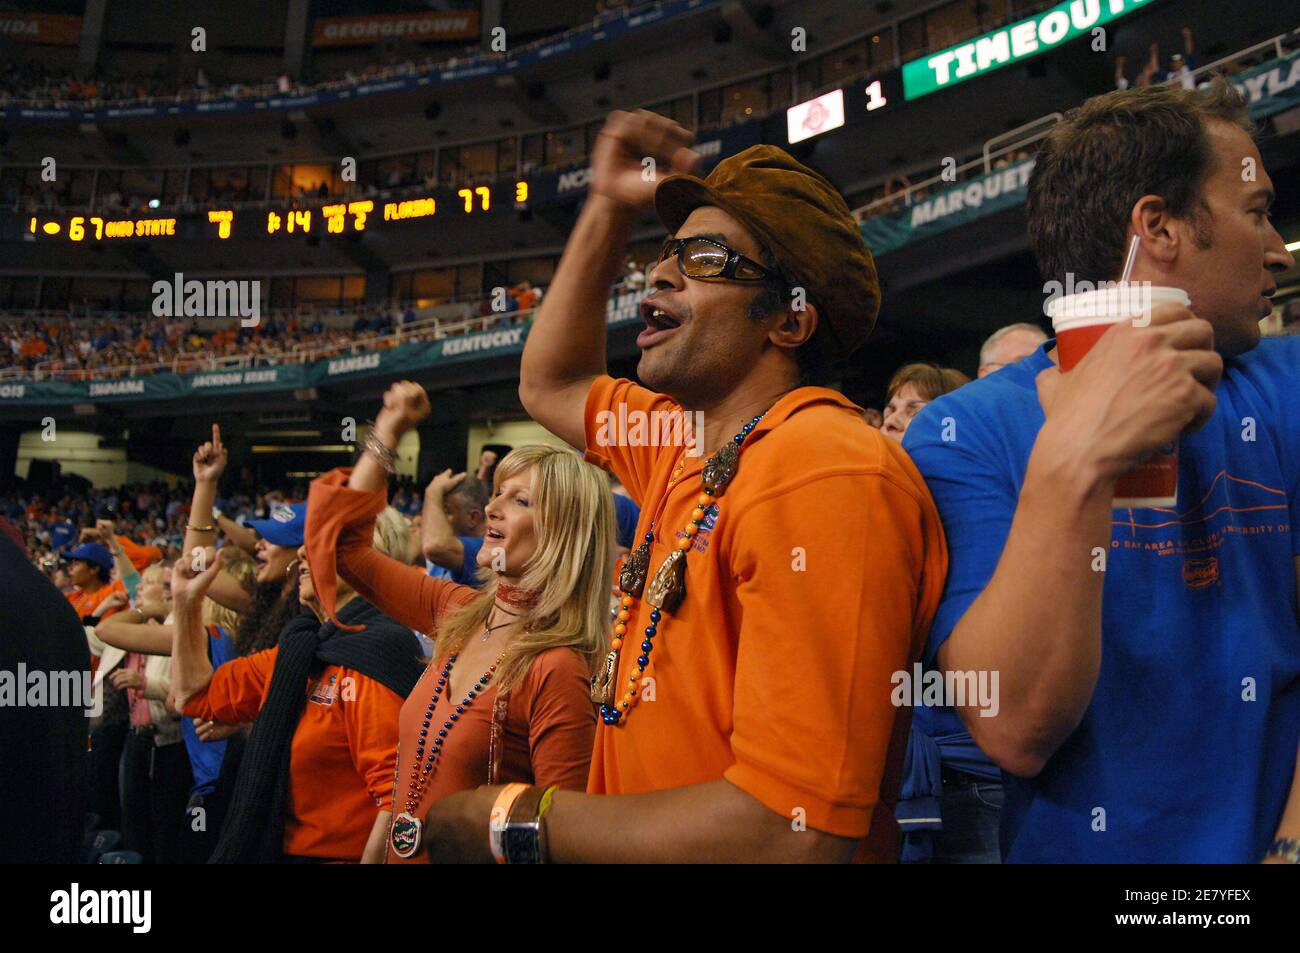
[402,359]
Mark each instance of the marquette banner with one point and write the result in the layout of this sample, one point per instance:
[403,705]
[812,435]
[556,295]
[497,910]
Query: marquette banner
[1012,44]
[1272,87]
[956,206]
[403,359]
[420,27]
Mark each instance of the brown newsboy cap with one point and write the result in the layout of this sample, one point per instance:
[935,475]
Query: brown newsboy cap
[802,219]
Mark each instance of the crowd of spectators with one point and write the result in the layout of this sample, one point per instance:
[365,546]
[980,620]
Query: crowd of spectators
[102,346]
[32,81]
[136,344]
[54,520]
[117,344]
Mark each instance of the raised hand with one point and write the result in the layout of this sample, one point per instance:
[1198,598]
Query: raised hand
[106,530]
[444,483]
[405,405]
[210,458]
[618,167]
[192,578]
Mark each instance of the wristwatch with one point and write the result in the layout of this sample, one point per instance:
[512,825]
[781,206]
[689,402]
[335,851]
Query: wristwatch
[523,839]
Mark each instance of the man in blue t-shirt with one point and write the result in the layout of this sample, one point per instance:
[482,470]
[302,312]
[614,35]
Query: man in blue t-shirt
[1148,659]
[452,526]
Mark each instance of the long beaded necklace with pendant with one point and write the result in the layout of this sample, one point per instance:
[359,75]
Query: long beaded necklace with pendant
[667,589]
[405,832]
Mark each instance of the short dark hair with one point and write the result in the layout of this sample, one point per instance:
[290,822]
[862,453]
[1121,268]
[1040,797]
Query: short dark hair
[815,365]
[472,490]
[1106,154]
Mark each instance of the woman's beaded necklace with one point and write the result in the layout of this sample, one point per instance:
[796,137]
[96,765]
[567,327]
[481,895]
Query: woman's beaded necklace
[405,832]
[667,589]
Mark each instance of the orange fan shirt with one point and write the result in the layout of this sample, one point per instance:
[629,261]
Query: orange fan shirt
[343,754]
[85,602]
[813,580]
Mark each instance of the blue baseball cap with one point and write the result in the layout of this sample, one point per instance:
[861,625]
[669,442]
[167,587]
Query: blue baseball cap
[92,553]
[626,514]
[286,527]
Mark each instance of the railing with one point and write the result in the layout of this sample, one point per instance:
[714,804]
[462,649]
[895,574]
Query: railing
[903,198]
[271,88]
[427,329]
[300,312]
[421,329]
[723,123]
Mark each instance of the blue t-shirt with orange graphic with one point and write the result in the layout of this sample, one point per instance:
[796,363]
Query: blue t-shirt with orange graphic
[1187,750]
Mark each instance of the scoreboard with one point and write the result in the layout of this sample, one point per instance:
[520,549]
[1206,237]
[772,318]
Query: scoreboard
[342,217]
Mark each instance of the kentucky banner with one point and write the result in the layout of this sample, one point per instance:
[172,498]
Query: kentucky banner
[402,359]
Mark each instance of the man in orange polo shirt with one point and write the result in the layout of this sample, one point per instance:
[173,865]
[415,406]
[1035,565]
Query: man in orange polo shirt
[793,558]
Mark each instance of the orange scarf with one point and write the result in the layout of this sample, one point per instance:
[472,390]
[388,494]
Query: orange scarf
[331,508]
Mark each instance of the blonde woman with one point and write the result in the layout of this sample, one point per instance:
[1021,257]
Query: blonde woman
[507,697]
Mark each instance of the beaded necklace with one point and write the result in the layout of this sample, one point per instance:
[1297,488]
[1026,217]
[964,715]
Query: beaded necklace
[667,589]
[405,832]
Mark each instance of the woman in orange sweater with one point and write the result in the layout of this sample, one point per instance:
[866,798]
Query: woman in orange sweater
[316,776]
[507,697]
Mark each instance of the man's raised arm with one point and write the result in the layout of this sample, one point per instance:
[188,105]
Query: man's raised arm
[566,346]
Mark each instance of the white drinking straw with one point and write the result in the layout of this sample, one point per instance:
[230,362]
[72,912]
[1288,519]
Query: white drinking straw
[1132,257]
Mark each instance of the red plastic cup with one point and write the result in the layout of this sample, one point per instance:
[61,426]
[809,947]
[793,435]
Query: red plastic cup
[1079,321]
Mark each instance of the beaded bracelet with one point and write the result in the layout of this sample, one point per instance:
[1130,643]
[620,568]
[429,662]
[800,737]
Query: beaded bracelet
[386,456]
